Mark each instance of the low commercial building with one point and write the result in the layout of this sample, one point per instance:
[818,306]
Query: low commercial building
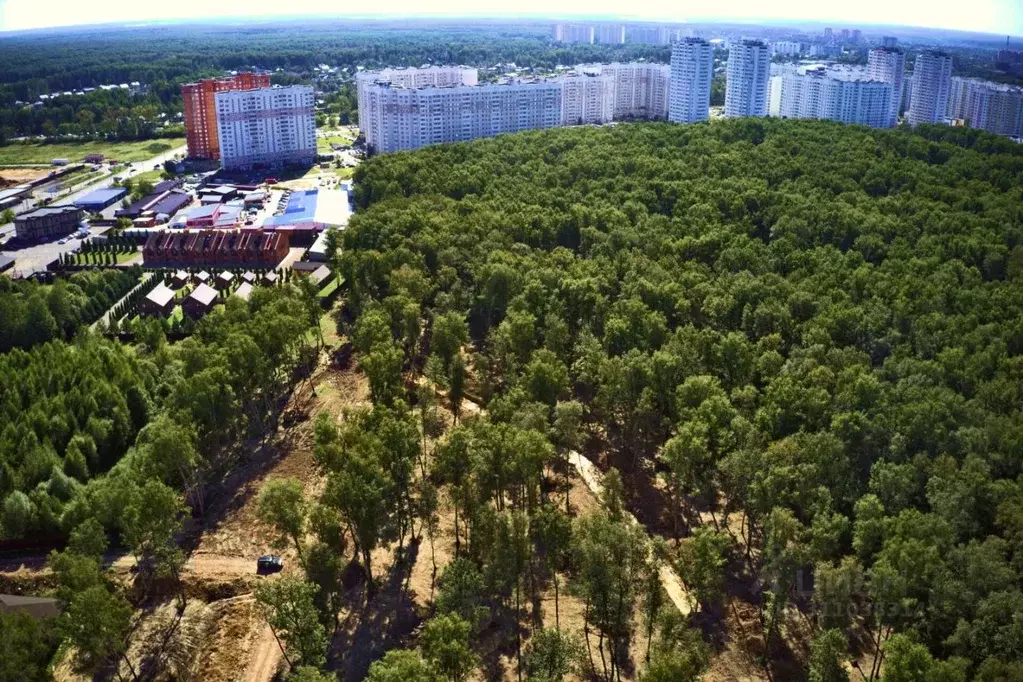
[158,303]
[200,301]
[165,199]
[249,277]
[316,209]
[216,216]
[47,222]
[97,200]
[318,251]
[270,279]
[219,195]
[11,197]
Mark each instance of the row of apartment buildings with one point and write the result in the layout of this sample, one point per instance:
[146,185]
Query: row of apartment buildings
[614,34]
[245,123]
[410,108]
[251,248]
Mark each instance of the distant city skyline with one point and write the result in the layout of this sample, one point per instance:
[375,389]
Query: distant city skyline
[999,17]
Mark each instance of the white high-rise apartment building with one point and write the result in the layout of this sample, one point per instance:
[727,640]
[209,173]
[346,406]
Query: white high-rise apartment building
[932,76]
[749,63]
[786,48]
[435,76]
[841,97]
[994,107]
[573,33]
[268,126]
[692,69]
[587,98]
[610,34]
[649,35]
[640,89]
[409,118]
[888,65]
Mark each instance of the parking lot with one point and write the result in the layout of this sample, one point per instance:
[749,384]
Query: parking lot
[34,258]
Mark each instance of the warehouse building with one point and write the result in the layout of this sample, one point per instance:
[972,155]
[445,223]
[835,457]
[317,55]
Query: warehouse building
[97,200]
[166,199]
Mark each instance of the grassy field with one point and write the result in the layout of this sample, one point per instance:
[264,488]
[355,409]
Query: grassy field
[323,143]
[153,176]
[330,288]
[18,153]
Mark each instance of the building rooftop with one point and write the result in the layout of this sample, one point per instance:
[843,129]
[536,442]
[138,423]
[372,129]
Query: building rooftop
[161,295]
[319,274]
[37,607]
[313,208]
[204,294]
[226,276]
[101,196]
[243,291]
[49,210]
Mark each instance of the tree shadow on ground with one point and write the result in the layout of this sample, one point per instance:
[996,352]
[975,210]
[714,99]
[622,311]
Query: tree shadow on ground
[388,620]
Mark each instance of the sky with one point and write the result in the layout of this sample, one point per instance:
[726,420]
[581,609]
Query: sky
[1003,17]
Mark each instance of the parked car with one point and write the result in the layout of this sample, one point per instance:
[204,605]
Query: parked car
[269,563]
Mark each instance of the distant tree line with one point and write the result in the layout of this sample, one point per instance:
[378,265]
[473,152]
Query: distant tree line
[162,58]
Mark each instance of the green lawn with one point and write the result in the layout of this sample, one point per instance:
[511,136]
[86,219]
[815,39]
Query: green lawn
[330,288]
[323,143]
[153,176]
[19,153]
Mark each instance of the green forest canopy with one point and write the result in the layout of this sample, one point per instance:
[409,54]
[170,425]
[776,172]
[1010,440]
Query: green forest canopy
[816,325]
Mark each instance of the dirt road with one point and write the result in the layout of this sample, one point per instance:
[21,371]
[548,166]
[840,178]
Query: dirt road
[264,657]
[669,579]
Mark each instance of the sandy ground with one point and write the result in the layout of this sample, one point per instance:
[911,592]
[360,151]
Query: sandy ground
[16,176]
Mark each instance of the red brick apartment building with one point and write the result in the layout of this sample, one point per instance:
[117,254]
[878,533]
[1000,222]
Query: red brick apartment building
[215,248]
[201,112]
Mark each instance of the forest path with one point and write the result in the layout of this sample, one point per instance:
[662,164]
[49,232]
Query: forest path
[670,580]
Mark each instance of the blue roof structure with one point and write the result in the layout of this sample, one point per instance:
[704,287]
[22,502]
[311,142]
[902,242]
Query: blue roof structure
[309,209]
[99,199]
[301,208]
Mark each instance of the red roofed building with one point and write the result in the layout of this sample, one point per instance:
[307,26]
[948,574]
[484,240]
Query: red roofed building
[215,248]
